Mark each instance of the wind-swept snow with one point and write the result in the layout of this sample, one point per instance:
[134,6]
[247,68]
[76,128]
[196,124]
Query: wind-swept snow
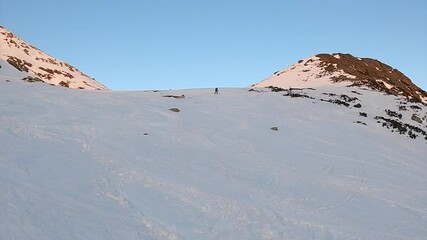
[121,165]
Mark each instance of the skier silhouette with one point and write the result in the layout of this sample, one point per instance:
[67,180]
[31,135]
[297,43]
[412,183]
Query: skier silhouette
[216,91]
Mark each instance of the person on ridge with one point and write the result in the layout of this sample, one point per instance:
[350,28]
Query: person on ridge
[216,91]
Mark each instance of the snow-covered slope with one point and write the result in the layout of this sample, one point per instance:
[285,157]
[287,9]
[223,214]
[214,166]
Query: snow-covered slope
[345,69]
[236,165]
[38,66]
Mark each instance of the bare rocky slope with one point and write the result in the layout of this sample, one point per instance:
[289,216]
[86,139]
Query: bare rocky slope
[39,66]
[323,69]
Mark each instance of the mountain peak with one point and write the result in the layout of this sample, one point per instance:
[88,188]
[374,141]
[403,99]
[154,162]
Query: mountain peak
[39,66]
[325,69]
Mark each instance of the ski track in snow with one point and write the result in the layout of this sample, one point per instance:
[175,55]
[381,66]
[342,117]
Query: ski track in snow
[121,165]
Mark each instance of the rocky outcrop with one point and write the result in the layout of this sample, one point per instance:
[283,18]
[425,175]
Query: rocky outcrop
[326,69]
[372,73]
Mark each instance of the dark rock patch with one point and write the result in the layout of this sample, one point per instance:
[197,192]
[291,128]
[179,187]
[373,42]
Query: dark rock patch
[276,89]
[416,118]
[19,64]
[393,113]
[360,122]
[64,84]
[402,128]
[415,107]
[32,79]
[175,96]
[174,109]
[336,101]
[274,128]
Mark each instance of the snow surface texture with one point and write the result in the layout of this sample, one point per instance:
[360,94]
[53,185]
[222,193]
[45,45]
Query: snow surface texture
[32,62]
[121,165]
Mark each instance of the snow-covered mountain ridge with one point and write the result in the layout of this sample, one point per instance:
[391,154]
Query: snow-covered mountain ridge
[325,69]
[314,163]
[38,66]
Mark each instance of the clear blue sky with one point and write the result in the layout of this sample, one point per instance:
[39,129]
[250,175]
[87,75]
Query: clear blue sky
[161,44]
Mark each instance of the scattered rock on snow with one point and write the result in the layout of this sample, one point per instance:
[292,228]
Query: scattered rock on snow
[175,96]
[174,109]
[416,118]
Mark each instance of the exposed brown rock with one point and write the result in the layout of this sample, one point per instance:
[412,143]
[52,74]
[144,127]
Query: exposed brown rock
[19,64]
[47,70]
[64,84]
[372,73]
